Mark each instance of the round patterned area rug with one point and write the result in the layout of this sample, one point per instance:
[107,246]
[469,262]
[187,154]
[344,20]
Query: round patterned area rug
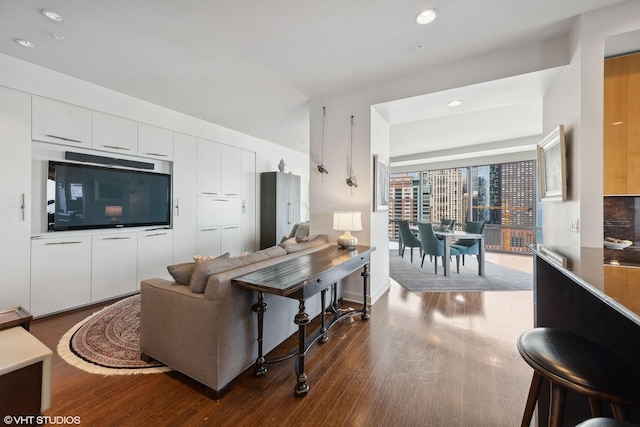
[107,342]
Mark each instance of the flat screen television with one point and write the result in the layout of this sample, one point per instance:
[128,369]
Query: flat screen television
[82,196]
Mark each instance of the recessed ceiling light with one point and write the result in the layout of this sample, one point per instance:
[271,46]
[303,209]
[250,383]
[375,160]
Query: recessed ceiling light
[419,46]
[427,16]
[58,36]
[54,16]
[25,43]
[454,103]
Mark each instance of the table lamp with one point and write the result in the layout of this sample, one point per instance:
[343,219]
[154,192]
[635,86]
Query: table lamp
[347,221]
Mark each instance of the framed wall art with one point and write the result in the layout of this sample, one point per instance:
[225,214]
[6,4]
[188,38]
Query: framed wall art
[552,166]
[380,183]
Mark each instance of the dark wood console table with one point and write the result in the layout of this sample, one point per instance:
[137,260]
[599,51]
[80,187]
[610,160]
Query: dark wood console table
[301,278]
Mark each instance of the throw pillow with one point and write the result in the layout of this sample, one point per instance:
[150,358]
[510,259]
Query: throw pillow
[318,240]
[204,269]
[288,242]
[181,273]
[198,258]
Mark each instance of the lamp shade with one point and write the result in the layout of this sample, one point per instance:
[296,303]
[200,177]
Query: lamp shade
[347,221]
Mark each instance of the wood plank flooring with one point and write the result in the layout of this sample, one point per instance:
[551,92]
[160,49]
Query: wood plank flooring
[429,359]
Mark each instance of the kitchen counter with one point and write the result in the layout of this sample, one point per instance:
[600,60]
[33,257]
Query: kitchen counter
[591,298]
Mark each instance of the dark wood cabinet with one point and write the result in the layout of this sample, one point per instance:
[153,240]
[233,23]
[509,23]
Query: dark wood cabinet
[279,206]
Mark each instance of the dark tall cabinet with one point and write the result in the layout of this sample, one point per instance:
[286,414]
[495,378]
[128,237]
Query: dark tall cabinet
[279,206]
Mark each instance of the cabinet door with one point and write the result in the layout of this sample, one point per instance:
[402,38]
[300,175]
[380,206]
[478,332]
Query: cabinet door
[231,239]
[60,123]
[184,198]
[218,211]
[115,134]
[113,265]
[621,150]
[208,241]
[15,190]
[294,199]
[60,274]
[248,225]
[208,168]
[230,170]
[155,142]
[155,253]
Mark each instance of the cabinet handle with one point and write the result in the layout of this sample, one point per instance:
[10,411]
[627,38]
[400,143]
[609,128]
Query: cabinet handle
[177,206]
[155,234]
[209,193]
[62,243]
[231,228]
[62,138]
[209,229]
[157,154]
[116,147]
[243,207]
[115,238]
[23,207]
[231,194]
[289,213]
[220,200]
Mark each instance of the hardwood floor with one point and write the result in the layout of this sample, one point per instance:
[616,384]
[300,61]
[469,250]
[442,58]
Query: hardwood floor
[424,359]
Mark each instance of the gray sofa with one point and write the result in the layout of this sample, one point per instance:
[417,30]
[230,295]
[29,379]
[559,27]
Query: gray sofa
[205,327]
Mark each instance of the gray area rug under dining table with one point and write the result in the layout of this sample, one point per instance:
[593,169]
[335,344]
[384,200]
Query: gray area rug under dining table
[416,279]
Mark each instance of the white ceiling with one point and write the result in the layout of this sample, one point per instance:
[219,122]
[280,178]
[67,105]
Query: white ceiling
[252,65]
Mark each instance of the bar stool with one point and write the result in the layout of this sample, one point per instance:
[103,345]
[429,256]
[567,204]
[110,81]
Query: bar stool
[605,422]
[570,361]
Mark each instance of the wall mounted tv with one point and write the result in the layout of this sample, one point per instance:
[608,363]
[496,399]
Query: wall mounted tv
[82,196]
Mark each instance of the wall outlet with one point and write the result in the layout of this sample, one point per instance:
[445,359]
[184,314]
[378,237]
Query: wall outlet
[574,225]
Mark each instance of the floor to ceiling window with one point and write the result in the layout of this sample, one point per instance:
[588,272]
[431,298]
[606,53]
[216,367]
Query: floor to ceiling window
[503,195]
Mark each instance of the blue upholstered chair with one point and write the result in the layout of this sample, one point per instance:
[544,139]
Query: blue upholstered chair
[408,238]
[431,245]
[470,246]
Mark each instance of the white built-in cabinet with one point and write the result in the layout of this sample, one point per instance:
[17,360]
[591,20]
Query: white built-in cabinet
[15,190]
[61,123]
[221,198]
[114,134]
[155,253]
[184,197]
[208,170]
[213,206]
[114,269]
[230,170]
[60,273]
[155,142]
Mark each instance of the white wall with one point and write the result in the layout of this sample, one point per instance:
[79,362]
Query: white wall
[26,77]
[577,101]
[371,136]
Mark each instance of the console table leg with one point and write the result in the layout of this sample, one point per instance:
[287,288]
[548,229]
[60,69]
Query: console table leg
[323,328]
[301,319]
[259,308]
[365,280]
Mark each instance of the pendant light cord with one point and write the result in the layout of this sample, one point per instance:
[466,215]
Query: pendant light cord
[351,150]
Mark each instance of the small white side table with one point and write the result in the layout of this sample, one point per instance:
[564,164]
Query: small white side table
[25,373]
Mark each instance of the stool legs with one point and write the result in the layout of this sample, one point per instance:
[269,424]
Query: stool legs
[620,412]
[595,406]
[532,399]
[556,411]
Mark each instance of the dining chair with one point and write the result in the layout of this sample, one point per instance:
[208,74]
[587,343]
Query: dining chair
[470,246]
[431,245]
[408,238]
[445,225]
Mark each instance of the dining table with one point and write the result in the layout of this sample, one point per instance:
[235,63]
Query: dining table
[450,236]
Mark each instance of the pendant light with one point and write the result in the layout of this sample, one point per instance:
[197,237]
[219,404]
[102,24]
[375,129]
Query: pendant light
[351,181]
[321,167]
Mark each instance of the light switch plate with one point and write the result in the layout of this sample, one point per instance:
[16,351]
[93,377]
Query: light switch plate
[574,225]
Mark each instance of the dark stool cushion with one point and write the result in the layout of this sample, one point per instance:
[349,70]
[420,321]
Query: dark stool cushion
[605,422]
[580,364]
